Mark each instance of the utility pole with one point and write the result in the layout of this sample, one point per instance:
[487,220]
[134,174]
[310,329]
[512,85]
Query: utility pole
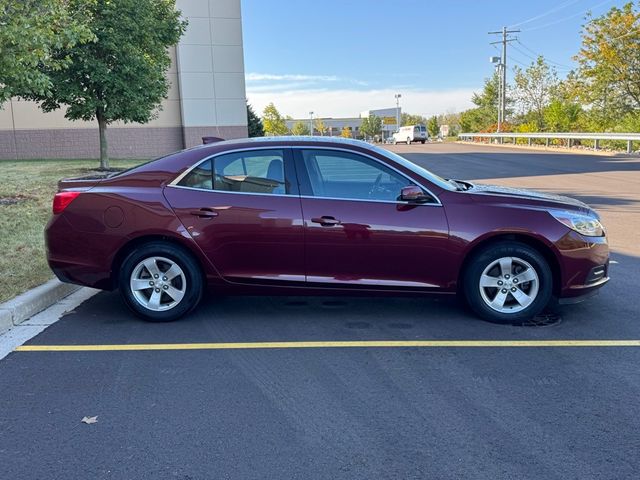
[502,66]
[311,123]
[398,97]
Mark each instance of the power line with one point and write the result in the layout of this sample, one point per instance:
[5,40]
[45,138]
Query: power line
[548,12]
[539,55]
[555,22]
[534,59]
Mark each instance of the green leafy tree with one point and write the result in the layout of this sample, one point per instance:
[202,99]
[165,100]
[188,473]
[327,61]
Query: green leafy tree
[300,128]
[561,115]
[319,126]
[255,127]
[451,119]
[30,32]
[371,126]
[121,76]
[433,127]
[410,119]
[346,132]
[533,89]
[274,123]
[486,112]
[608,76]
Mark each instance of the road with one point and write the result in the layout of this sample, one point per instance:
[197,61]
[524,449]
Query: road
[500,412]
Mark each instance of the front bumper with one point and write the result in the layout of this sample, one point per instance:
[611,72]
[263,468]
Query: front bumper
[585,266]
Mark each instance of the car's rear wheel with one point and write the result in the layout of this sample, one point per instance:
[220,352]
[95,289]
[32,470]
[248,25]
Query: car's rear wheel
[423,141]
[408,141]
[160,282]
[508,282]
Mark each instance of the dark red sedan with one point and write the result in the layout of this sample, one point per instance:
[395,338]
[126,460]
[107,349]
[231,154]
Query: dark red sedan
[300,216]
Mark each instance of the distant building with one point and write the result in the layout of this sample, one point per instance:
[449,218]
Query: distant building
[334,126]
[207,98]
[389,119]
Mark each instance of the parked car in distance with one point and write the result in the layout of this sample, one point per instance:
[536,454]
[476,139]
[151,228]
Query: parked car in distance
[411,133]
[319,216]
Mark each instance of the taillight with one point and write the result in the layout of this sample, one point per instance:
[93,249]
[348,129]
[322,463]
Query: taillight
[62,201]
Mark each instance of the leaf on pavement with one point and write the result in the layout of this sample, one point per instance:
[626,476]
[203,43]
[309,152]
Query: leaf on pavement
[90,420]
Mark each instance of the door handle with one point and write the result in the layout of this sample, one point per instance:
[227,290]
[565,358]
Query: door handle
[326,221]
[204,213]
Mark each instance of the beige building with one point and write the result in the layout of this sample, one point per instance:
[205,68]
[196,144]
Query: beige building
[207,98]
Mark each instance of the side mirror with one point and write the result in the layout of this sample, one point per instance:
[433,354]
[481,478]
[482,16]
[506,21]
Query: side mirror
[413,193]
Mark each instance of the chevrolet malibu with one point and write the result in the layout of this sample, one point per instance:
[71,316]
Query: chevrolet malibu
[319,216]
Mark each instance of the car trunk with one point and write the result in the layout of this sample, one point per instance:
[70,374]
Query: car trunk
[82,183]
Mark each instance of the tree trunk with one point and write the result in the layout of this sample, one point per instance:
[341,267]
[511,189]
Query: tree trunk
[102,128]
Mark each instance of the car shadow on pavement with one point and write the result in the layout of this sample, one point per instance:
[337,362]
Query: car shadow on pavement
[104,319]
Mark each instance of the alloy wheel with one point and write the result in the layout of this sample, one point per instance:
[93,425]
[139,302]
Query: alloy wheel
[158,283]
[509,285]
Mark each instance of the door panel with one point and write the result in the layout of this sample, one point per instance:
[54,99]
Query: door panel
[249,231]
[365,237]
[381,244]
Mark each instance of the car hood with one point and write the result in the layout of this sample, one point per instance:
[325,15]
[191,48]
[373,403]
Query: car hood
[533,197]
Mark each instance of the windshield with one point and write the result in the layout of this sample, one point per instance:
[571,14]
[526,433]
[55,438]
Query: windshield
[423,172]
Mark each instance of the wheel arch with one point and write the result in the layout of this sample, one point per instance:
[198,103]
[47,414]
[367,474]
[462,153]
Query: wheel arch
[137,242]
[544,249]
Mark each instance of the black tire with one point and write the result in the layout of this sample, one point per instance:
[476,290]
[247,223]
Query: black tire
[408,141]
[423,141]
[488,255]
[187,263]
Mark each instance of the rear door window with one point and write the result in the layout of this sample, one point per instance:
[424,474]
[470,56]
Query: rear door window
[256,171]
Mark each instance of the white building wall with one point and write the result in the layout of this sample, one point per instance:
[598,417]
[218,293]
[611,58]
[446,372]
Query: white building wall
[211,70]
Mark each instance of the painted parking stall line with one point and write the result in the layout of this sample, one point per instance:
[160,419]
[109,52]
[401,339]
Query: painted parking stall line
[334,344]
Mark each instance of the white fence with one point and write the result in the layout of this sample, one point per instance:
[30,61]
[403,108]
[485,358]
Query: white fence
[548,136]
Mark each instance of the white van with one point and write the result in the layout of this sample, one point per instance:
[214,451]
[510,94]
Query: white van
[411,133]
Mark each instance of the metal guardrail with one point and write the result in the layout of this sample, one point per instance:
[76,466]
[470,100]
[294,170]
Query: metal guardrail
[548,136]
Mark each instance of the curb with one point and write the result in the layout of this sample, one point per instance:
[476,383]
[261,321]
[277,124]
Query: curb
[27,304]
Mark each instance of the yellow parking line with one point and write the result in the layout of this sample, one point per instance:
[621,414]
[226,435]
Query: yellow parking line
[330,344]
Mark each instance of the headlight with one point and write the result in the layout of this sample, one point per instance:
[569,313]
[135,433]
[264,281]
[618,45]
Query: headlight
[586,225]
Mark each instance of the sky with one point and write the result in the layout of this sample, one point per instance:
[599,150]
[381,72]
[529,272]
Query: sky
[338,58]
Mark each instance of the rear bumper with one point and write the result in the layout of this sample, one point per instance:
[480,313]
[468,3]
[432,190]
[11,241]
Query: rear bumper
[77,257]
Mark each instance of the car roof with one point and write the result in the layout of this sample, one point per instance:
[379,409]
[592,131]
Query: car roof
[279,140]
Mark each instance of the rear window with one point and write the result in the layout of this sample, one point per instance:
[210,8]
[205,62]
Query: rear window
[259,171]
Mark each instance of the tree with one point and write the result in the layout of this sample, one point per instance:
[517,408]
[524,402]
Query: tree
[121,76]
[410,119]
[346,132]
[300,128]
[254,124]
[486,112]
[371,126]
[561,115]
[274,123]
[608,77]
[433,127]
[320,126]
[30,31]
[533,89]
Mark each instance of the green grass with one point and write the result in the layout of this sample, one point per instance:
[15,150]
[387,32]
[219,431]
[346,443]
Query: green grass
[26,193]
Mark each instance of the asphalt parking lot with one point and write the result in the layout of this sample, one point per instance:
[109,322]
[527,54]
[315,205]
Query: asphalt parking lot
[326,411]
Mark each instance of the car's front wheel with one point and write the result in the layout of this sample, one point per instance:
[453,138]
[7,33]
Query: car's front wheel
[160,282]
[508,282]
